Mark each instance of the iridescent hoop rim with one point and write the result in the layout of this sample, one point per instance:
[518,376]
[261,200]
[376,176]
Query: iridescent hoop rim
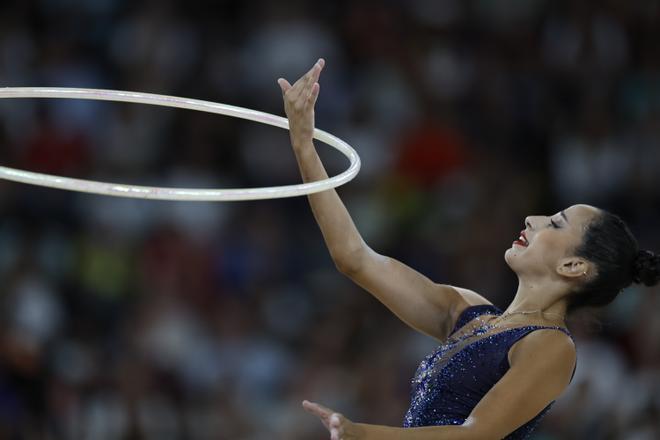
[180,194]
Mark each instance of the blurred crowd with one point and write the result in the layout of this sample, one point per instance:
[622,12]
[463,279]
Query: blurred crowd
[129,319]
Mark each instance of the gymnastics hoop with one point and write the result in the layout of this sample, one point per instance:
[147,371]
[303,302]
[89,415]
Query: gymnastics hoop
[180,194]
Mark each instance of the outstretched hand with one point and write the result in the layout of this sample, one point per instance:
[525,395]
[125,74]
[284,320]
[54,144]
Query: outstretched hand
[340,427]
[299,101]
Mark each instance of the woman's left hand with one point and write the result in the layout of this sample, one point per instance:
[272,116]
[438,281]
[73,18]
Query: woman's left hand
[339,426]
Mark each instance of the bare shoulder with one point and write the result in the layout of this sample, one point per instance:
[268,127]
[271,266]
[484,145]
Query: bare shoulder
[462,299]
[550,346]
[465,299]
[470,297]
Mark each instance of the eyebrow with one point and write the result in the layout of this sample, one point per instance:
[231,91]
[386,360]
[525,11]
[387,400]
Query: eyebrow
[564,215]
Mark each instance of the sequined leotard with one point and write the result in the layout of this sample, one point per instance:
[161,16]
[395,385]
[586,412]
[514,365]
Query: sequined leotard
[450,382]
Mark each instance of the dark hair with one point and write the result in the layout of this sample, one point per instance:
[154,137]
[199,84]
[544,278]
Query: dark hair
[609,244]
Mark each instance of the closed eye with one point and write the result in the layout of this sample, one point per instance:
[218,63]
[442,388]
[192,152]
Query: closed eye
[554,225]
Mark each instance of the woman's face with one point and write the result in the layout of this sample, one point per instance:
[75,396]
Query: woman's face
[549,241]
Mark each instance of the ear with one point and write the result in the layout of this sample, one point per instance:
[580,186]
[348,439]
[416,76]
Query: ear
[574,267]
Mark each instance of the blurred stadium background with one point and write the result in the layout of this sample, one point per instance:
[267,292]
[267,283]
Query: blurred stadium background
[126,319]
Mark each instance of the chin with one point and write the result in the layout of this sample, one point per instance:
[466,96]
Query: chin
[510,256]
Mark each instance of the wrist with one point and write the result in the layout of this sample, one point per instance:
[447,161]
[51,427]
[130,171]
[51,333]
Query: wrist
[301,137]
[364,431]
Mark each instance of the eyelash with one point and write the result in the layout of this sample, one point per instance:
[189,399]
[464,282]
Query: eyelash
[554,225]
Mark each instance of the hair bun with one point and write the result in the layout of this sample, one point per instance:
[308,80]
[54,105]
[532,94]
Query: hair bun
[646,268]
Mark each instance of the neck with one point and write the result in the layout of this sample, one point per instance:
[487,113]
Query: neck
[543,295]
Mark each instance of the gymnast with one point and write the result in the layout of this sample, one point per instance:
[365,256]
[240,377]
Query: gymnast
[495,373]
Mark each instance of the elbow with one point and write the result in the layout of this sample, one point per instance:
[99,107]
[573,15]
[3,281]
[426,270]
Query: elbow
[349,263]
[348,267]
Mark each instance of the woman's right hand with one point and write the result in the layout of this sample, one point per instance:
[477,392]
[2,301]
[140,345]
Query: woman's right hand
[299,101]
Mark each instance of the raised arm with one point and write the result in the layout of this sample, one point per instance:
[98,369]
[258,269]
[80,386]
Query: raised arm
[428,307]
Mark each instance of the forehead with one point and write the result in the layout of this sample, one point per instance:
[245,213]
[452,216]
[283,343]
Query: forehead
[580,214]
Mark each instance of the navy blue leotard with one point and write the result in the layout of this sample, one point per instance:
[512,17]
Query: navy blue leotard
[450,382]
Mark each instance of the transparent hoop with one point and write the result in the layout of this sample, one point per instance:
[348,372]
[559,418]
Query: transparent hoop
[182,194]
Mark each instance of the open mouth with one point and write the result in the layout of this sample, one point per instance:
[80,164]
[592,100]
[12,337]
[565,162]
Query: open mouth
[522,240]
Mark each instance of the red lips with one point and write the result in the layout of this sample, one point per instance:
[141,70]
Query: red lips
[522,243]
